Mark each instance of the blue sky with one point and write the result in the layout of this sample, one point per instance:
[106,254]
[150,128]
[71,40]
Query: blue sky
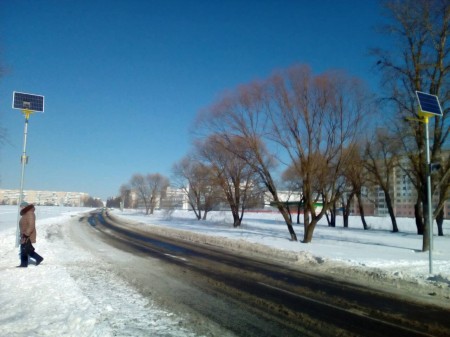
[124,80]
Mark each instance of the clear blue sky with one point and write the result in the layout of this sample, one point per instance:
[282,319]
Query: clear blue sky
[124,80]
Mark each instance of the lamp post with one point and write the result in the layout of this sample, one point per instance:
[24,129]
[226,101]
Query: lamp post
[24,161]
[429,107]
[430,210]
[28,104]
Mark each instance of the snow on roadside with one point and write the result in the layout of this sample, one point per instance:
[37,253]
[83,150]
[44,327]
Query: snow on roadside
[72,293]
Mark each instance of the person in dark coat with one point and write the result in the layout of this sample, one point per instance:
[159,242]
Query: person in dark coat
[27,226]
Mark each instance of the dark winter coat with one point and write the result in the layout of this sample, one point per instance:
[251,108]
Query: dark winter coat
[27,223]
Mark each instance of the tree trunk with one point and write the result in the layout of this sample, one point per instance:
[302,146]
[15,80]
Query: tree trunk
[345,216]
[419,219]
[328,219]
[388,199]
[346,209]
[289,212]
[332,222]
[151,205]
[440,222]
[361,210]
[287,218]
[309,230]
[426,236]
[242,215]
[236,218]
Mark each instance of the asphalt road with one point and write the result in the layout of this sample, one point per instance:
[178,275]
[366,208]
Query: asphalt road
[246,296]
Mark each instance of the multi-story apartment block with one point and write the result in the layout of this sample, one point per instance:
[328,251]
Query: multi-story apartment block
[403,195]
[44,198]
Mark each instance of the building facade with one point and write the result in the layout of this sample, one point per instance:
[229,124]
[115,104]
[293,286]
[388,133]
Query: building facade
[44,198]
[403,195]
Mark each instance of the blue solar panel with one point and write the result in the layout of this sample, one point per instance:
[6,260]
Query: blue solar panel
[429,104]
[28,101]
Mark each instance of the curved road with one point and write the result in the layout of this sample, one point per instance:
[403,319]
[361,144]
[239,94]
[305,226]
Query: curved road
[251,297]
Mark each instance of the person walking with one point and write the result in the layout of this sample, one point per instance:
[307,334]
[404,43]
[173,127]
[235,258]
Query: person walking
[27,226]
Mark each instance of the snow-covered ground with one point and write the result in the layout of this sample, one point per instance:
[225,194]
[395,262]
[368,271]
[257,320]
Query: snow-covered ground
[73,294]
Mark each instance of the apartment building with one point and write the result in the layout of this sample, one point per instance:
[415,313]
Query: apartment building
[44,198]
[403,194]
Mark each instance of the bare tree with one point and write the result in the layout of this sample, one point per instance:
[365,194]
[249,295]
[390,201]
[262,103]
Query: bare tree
[420,62]
[381,159]
[125,195]
[142,190]
[157,186]
[149,189]
[196,180]
[234,175]
[315,118]
[242,115]
[355,175]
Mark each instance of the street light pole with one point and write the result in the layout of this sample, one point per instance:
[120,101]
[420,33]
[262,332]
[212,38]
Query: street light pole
[24,160]
[430,211]
[28,104]
[429,107]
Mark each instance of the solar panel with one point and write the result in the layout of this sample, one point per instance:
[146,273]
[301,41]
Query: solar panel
[29,102]
[429,104]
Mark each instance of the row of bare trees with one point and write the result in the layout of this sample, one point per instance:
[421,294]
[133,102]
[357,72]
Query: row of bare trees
[321,129]
[316,124]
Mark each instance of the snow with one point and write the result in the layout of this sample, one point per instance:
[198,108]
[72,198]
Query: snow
[73,294]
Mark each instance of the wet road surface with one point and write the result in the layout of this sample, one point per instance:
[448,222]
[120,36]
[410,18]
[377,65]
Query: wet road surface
[253,297]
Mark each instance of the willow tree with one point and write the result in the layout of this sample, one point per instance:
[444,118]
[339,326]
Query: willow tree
[242,114]
[311,119]
[150,189]
[317,119]
[236,178]
[197,182]
[381,158]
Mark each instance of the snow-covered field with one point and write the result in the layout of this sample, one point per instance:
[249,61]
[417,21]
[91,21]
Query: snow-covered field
[73,294]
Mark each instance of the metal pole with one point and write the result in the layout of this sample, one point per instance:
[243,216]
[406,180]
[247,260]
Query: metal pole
[24,162]
[430,213]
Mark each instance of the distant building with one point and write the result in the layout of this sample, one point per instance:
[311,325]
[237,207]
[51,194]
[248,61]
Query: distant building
[403,195]
[44,198]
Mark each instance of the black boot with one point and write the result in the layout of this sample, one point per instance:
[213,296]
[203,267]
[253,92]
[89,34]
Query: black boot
[23,261]
[37,257]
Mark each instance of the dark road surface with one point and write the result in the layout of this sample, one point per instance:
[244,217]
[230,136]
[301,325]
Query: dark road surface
[260,298]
